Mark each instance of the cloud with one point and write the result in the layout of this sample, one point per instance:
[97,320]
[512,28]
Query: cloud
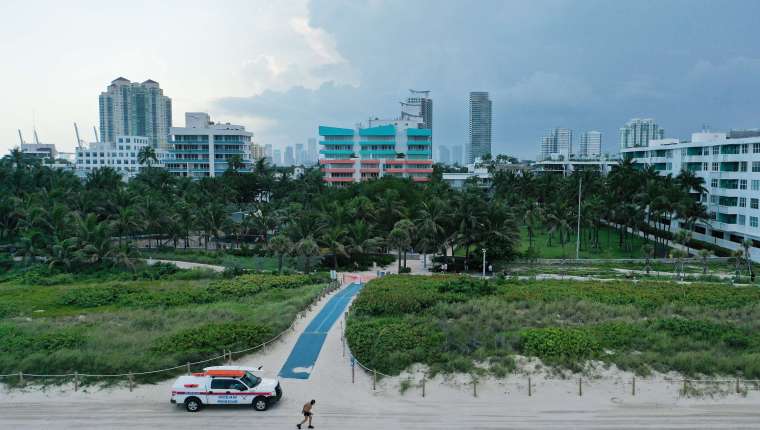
[551,90]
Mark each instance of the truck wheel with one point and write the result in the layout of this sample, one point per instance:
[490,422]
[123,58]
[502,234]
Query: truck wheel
[193,404]
[260,403]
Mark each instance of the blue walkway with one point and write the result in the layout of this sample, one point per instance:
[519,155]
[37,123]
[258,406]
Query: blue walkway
[300,363]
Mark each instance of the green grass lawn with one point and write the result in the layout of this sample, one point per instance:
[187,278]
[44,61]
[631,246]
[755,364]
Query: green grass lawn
[459,324]
[608,239]
[120,326]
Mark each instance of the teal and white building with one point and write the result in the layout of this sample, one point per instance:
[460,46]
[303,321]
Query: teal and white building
[203,148]
[729,163]
[398,148]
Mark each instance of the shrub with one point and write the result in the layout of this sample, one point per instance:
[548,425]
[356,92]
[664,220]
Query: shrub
[552,344]
[212,338]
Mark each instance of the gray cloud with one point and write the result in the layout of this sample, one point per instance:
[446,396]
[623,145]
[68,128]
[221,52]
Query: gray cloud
[584,64]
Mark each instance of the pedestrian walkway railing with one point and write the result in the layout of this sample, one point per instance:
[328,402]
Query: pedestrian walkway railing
[226,356]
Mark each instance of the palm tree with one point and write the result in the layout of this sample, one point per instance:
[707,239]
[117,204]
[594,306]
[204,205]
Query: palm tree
[532,219]
[235,163]
[147,156]
[333,238]
[648,250]
[408,227]
[398,239]
[747,246]
[704,254]
[281,246]
[307,248]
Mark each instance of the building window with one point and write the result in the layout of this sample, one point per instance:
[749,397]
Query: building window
[756,166]
[714,183]
[756,148]
[716,150]
[742,184]
[745,148]
[741,219]
[743,166]
[755,185]
[743,202]
[753,221]
[715,167]
[714,199]
[754,203]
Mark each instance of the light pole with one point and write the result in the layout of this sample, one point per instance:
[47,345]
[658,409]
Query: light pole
[484,263]
[578,237]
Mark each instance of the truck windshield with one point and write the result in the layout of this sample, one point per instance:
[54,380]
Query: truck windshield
[250,380]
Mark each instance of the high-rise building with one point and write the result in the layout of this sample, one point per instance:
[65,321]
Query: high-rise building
[398,148]
[559,141]
[457,154]
[268,153]
[203,148]
[277,157]
[590,144]
[311,151]
[638,132]
[290,158]
[479,143]
[444,155]
[257,152]
[300,155]
[418,106]
[135,109]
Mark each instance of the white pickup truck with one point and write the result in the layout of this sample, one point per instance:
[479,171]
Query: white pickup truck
[225,385]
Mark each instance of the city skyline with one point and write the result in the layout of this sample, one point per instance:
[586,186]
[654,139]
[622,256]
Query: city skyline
[308,69]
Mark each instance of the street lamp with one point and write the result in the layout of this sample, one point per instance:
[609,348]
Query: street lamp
[484,263]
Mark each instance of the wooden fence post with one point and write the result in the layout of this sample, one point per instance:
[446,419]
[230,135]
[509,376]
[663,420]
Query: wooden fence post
[685,382]
[738,390]
[20,378]
[530,389]
[474,388]
[353,375]
[580,386]
[633,386]
[423,385]
[374,380]
[131,382]
[188,369]
[76,382]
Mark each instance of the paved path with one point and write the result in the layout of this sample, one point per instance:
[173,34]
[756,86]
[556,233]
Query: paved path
[303,357]
[185,264]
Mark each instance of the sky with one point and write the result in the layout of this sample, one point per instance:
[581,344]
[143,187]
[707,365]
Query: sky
[283,68]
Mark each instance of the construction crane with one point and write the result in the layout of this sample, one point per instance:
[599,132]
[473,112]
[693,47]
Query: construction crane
[76,131]
[95,130]
[36,139]
[20,137]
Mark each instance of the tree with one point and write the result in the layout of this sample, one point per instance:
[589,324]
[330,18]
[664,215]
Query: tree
[398,239]
[307,248]
[704,254]
[281,246]
[333,239]
[147,156]
[648,250]
[747,247]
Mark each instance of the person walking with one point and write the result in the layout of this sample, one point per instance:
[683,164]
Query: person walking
[307,414]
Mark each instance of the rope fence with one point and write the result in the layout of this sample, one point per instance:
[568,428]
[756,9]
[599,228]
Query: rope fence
[227,355]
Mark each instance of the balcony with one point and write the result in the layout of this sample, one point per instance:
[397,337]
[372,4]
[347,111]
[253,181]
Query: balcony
[369,170]
[415,170]
[336,161]
[391,142]
[338,170]
[394,170]
[420,179]
[341,179]
[336,142]
[346,152]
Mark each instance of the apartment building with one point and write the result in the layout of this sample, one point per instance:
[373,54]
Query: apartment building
[386,148]
[729,163]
